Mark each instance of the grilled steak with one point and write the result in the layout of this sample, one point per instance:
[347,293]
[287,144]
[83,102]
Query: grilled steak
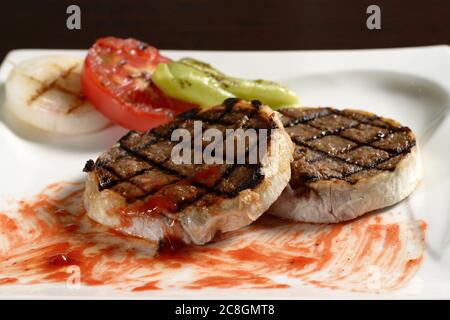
[137,187]
[346,163]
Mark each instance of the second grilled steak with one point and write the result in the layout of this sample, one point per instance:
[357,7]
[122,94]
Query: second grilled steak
[137,187]
[346,163]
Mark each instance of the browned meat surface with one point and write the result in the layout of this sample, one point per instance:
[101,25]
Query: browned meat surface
[139,188]
[343,145]
[140,166]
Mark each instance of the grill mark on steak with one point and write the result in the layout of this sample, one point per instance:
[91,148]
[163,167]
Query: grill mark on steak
[137,156]
[345,145]
[165,170]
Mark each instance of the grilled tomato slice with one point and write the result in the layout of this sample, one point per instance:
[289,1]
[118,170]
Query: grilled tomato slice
[116,79]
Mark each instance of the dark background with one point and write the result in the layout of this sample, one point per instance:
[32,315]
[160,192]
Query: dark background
[228,25]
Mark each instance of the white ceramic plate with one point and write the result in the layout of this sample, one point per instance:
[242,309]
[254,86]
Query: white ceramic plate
[411,85]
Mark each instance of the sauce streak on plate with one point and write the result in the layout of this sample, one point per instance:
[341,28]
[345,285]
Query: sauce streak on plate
[50,238]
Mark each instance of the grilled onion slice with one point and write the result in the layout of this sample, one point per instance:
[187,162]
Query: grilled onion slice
[46,93]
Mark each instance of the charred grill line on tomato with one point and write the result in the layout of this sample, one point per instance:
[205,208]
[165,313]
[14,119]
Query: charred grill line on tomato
[133,147]
[318,132]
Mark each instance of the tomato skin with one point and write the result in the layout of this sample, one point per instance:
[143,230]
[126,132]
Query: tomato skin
[118,112]
[116,80]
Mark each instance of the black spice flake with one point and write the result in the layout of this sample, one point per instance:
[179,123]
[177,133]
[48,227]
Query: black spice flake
[89,166]
[230,102]
[256,103]
[146,76]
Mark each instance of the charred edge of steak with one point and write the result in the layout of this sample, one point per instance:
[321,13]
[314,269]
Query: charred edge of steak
[89,166]
[188,114]
[255,178]
[230,102]
[256,103]
[137,155]
[343,145]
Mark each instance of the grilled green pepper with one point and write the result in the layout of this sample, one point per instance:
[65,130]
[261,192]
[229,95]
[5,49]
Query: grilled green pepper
[197,82]
[269,92]
[188,84]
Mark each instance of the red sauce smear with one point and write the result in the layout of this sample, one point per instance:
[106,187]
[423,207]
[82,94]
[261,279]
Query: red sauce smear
[152,285]
[162,202]
[50,239]
[158,203]
[8,280]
